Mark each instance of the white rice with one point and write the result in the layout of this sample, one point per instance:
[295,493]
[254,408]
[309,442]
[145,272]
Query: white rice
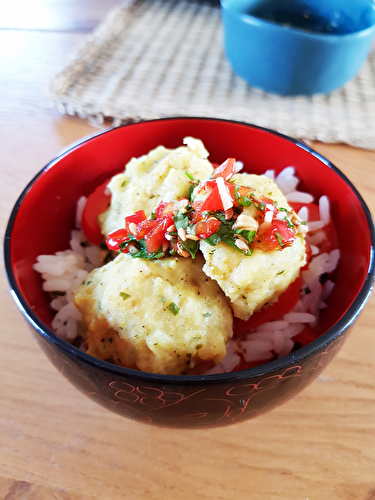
[63,272]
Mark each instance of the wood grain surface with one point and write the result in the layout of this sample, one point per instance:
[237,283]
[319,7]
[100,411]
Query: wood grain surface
[57,444]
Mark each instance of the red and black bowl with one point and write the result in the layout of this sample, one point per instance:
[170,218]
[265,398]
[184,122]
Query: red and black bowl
[44,215]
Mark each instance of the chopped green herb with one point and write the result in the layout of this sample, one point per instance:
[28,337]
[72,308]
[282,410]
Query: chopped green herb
[260,206]
[213,240]
[190,176]
[141,252]
[245,201]
[190,195]
[123,183]
[303,222]
[198,346]
[162,298]
[124,295]
[279,239]
[190,246]
[248,235]
[173,308]
[99,305]
[207,315]
[225,233]
[283,209]
[281,272]
[153,215]
[288,223]
[181,221]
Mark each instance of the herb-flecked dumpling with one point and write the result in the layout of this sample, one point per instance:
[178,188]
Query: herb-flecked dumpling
[160,316]
[159,175]
[251,282]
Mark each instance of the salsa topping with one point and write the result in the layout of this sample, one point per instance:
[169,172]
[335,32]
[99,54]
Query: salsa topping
[222,211]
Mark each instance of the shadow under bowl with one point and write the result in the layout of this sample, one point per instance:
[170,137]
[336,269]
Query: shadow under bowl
[44,215]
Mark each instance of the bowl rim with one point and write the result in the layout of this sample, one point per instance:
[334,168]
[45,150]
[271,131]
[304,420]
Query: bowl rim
[300,354]
[263,23]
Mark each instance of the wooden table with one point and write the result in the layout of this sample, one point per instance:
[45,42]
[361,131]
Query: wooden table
[57,444]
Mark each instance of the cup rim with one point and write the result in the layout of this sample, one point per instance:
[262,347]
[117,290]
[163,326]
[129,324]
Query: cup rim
[278,27]
[316,345]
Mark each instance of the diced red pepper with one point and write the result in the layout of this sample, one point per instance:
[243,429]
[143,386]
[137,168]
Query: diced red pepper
[213,202]
[170,208]
[135,218]
[156,237]
[159,209]
[244,191]
[225,170]
[196,215]
[144,227]
[276,235]
[114,239]
[270,205]
[207,227]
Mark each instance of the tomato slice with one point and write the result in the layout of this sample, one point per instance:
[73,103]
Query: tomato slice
[286,301]
[207,227]
[156,237]
[97,203]
[225,170]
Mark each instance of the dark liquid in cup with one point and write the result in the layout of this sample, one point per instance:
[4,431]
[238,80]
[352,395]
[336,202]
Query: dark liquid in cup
[303,20]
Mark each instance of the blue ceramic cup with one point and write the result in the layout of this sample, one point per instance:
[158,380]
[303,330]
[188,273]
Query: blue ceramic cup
[296,47]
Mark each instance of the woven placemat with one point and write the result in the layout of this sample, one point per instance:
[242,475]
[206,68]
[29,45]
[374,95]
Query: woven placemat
[158,58]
